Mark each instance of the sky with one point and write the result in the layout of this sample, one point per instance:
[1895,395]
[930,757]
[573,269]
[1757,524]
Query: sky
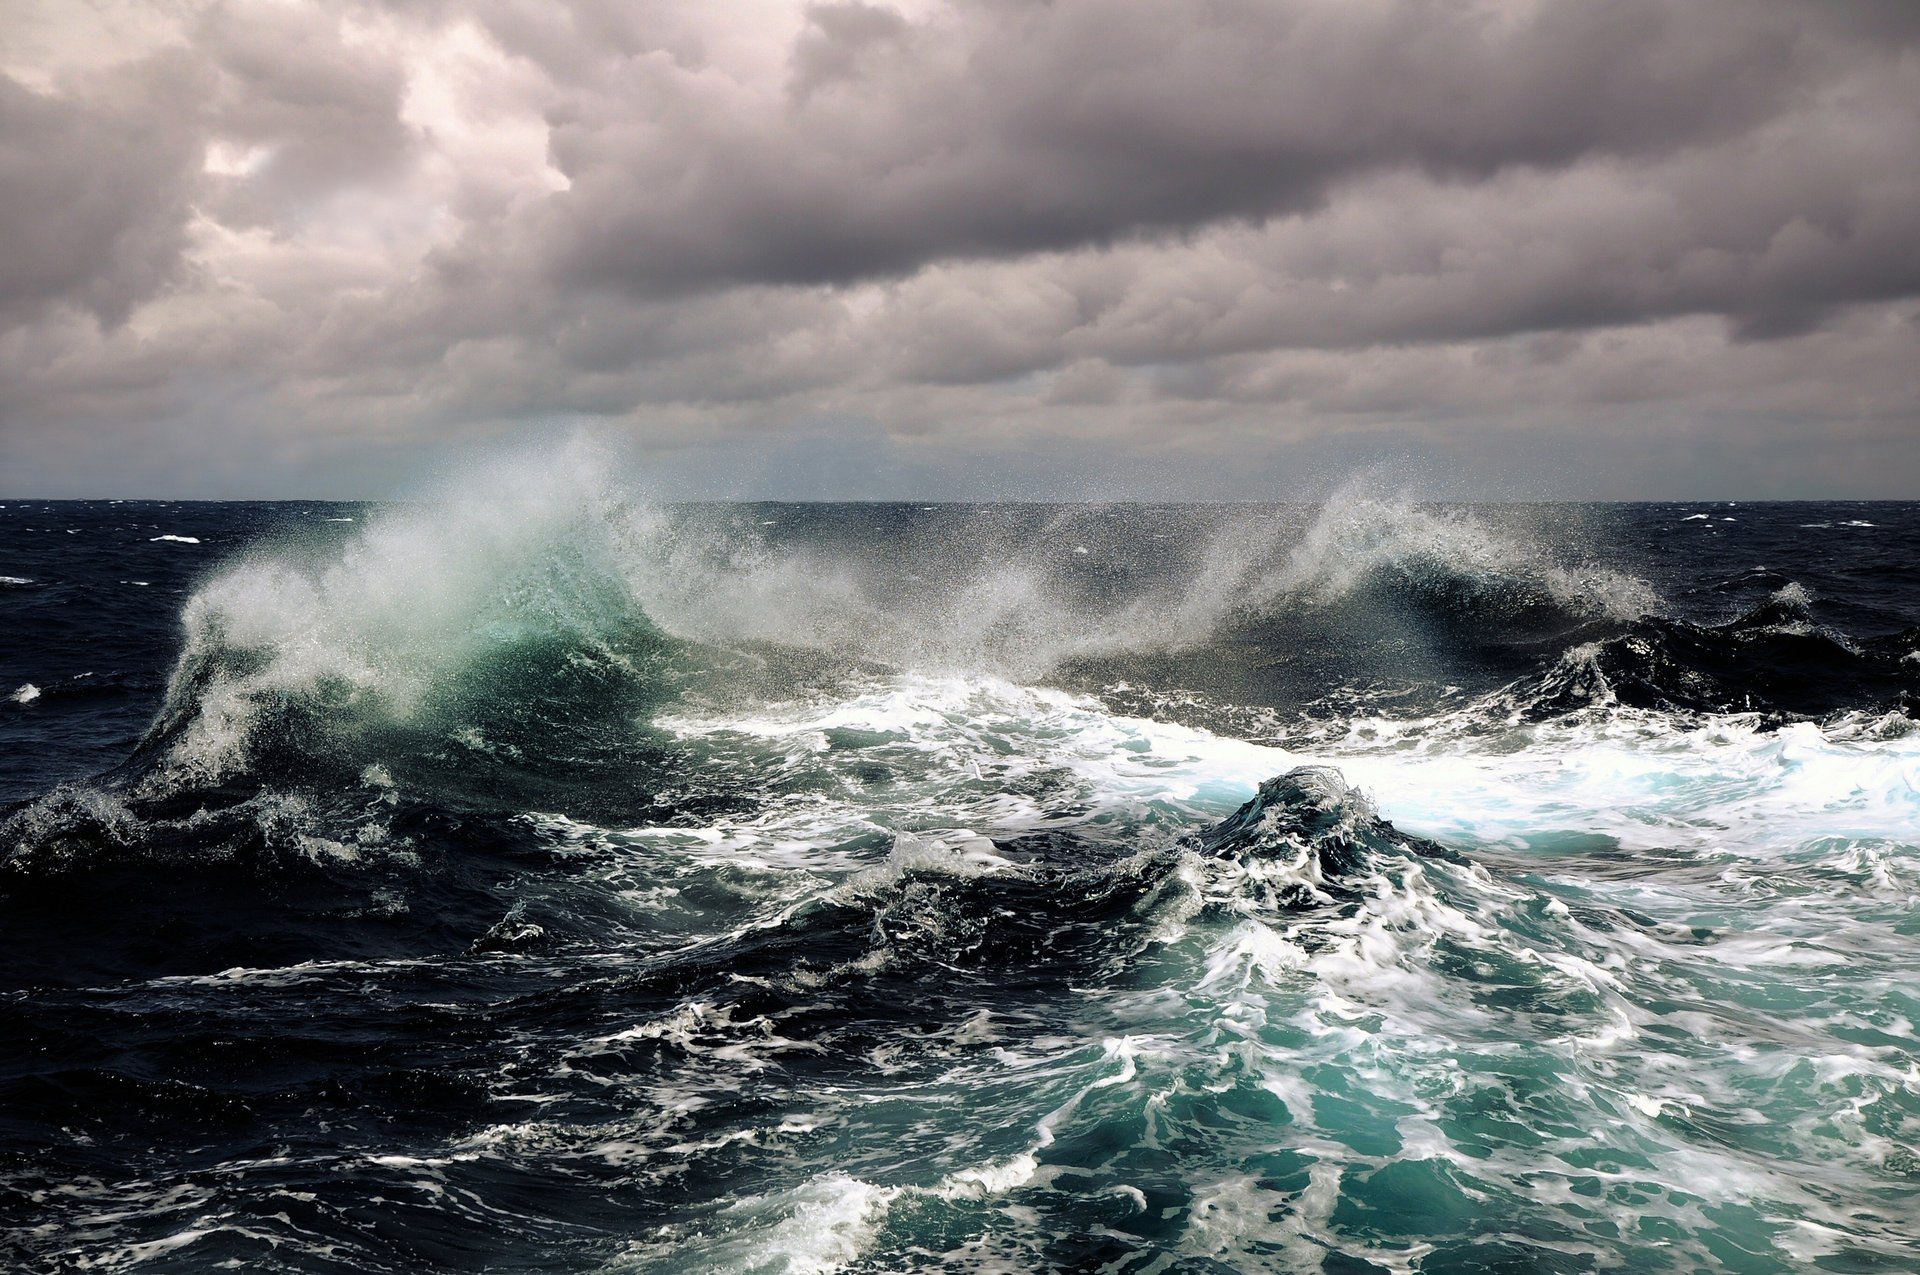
[1186,249]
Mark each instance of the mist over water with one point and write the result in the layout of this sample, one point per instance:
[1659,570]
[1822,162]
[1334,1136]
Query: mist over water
[539,877]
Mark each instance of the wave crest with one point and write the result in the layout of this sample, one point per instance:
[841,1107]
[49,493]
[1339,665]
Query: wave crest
[513,581]
[538,588]
[1776,660]
[1362,540]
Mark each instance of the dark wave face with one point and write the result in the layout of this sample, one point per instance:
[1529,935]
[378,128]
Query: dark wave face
[1776,660]
[539,879]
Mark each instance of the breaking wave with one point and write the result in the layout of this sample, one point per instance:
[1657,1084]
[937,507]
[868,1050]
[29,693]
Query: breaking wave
[1361,540]
[547,585]
[513,588]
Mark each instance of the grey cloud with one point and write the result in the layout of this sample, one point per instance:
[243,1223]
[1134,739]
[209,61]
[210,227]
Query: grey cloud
[838,40]
[575,40]
[1002,129]
[324,115]
[1228,231]
[1849,374]
[102,176]
[1773,230]
[95,188]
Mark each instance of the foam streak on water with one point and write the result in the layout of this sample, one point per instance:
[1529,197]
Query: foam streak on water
[540,878]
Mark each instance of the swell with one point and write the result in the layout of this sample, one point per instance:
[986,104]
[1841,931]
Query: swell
[1775,660]
[1083,1049]
[1117,1028]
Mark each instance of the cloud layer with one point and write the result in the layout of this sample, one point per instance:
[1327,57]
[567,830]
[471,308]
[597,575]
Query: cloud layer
[1168,247]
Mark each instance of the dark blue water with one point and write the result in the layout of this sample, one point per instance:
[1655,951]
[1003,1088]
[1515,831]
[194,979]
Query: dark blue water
[540,879]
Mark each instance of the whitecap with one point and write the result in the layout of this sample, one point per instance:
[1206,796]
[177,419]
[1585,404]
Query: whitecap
[821,1226]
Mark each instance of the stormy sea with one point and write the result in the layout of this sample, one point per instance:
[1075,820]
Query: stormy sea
[540,877]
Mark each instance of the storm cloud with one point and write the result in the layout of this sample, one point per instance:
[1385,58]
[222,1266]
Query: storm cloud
[1169,247]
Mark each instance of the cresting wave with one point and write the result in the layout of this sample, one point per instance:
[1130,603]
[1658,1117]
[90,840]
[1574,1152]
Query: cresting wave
[1775,659]
[518,590]
[522,640]
[1362,540]
[528,585]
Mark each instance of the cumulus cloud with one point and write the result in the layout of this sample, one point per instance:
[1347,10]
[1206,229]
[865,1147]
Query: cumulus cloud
[1057,238]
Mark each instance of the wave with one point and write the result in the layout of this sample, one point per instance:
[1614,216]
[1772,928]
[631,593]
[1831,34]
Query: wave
[529,591]
[1093,593]
[432,621]
[1311,817]
[1775,660]
[1453,560]
[1300,963]
[537,638]
[1018,593]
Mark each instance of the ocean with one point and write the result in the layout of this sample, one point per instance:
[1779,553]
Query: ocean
[540,877]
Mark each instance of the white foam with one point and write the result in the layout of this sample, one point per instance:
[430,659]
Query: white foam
[986,1180]
[1793,593]
[824,1225]
[959,852]
[1645,780]
[25,693]
[1650,783]
[183,540]
[965,745]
